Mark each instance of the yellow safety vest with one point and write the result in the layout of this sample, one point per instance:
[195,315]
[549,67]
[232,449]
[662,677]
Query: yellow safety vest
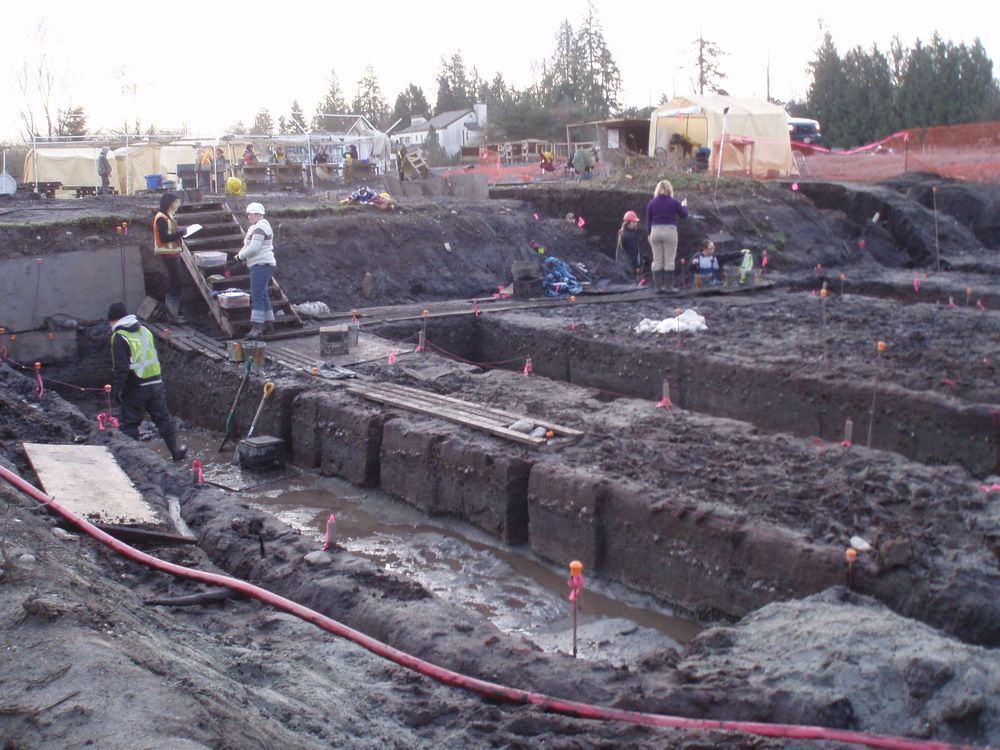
[142,352]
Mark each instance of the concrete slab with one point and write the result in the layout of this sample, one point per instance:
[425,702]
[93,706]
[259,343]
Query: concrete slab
[369,348]
[41,346]
[81,284]
[88,481]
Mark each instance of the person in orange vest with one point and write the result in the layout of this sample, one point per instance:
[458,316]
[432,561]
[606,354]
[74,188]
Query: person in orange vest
[167,246]
[249,155]
[206,157]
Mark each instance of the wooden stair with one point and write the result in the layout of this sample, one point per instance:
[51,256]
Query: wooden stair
[221,232]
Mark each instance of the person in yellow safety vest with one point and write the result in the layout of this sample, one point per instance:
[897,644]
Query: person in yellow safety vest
[137,386]
[206,166]
[167,245]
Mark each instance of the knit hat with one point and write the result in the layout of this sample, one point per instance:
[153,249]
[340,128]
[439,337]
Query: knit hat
[166,199]
[117,311]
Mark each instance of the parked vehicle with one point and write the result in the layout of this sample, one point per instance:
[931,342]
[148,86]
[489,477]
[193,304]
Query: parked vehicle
[804,130]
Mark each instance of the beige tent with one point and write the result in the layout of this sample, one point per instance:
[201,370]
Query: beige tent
[74,166]
[756,133]
[137,160]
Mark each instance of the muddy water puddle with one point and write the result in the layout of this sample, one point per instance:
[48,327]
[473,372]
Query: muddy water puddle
[462,565]
[465,567]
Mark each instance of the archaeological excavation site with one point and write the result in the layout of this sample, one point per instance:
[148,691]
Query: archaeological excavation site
[480,484]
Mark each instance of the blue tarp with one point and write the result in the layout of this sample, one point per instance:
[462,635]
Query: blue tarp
[559,278]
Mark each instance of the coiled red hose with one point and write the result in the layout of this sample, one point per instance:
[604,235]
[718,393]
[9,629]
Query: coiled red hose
[489,690]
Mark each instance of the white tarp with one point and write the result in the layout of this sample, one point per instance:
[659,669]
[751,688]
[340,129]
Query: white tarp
[687,322]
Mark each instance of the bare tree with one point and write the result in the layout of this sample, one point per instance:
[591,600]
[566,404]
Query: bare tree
[41,89]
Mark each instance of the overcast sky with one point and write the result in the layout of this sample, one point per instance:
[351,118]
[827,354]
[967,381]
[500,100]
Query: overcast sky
[206,65]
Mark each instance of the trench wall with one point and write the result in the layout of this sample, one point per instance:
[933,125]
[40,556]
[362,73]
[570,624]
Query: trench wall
[926,427]
[700,559]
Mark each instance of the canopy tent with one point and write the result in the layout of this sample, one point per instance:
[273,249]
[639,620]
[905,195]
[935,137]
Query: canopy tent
[756,132]
[74,166]
[137,160]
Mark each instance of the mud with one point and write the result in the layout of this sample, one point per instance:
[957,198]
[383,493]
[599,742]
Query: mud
[737,503]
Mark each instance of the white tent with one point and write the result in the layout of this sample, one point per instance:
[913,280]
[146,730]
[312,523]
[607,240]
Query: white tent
[756,132]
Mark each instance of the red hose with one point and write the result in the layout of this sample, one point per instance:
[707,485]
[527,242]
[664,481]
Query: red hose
[489,690]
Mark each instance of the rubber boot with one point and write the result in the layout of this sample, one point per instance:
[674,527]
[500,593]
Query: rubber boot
[669,281]
[255,331]
[177,452]
[269,326]
[661,282]
[173,305]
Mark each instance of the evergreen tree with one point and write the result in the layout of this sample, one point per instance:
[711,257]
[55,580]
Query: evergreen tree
[432,147]
[73,121]
[332,104]
[368,100]
[262,123]
[297,117]
[827,74]
[865,96]
[410,103]
[600,81]
[455,90]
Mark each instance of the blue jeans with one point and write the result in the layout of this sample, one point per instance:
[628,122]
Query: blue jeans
[260,301]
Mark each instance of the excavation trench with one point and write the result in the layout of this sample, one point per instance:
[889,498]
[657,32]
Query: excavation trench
[706,514]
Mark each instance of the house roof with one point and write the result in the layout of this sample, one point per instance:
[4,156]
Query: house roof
[442,120]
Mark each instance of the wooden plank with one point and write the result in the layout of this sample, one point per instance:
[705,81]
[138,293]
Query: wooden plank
[424,408]
[206,290]
[486,411]
[88,481]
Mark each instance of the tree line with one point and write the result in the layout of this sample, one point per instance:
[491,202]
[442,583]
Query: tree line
[858,96]
[864,95]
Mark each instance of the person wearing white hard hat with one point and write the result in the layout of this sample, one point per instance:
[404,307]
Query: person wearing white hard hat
[258,254]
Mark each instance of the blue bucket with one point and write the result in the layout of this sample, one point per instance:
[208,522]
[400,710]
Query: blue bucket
[154,181]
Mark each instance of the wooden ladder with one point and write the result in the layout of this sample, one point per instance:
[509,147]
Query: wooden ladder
[415,164]
[222,232]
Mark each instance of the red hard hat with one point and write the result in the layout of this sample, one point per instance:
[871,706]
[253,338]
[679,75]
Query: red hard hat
[630,216]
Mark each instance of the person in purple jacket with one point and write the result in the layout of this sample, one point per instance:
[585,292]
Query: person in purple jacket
[662,214]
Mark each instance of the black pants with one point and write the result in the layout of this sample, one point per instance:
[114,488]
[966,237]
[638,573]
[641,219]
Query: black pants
[105,185]
[173,264]
[142,400]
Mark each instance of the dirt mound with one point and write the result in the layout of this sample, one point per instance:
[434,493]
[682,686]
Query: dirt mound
[429,250]
[876,669]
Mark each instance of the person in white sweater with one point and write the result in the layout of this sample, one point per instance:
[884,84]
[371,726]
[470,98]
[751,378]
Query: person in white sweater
[258,254]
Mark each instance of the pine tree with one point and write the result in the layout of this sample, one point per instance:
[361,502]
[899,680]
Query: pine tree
[599,84]
[332,104]
[262,123]
[455,90]
[297,118]
[73,121]
[410,103]
[368,100]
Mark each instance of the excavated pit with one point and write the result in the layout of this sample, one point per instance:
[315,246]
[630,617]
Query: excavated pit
[738,502]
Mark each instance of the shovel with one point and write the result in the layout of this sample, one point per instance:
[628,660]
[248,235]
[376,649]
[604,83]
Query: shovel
[268,390]
[232,411]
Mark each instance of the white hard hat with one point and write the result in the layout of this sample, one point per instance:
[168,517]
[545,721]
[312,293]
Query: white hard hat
[255,208]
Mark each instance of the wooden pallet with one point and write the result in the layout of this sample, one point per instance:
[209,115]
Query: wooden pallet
[222,232]
[493,421]
[188,340]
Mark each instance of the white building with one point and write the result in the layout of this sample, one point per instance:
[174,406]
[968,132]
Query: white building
[460,127]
